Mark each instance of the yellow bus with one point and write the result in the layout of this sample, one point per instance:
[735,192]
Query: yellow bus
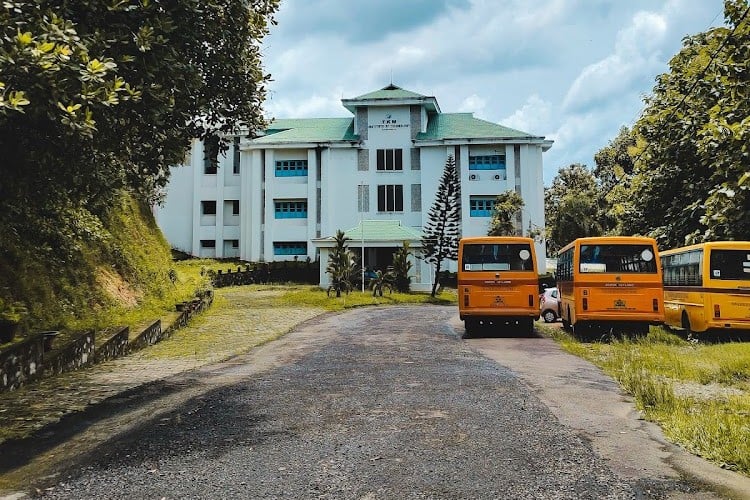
[498,282]
[611,282]
[707,286]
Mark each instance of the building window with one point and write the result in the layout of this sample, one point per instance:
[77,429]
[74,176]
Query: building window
[290,209]
[291,168]
[391,198]
[210,155]
[487,162]
[208,207]
[236,156]
[232,243]
[363,198]
[208,243]
[416,197]
[235,207]
[390,159]
[289,248]
[481,206]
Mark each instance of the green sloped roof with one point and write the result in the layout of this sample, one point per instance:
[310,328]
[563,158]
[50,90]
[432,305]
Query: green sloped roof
[389,92]
[308,130]
[465,126]
[388,230]
[380,230]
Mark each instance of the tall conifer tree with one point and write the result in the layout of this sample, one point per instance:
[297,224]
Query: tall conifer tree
[443,228]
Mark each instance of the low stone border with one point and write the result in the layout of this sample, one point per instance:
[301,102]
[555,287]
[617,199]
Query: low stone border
[33,358]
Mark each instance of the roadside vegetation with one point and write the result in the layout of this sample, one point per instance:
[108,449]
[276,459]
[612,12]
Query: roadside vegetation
[699,393]
[243,317]
[192,275]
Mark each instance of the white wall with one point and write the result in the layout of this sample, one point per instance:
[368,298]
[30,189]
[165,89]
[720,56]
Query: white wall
[257,188]
[175,217]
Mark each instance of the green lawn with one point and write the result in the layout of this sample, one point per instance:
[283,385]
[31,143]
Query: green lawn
[699,393]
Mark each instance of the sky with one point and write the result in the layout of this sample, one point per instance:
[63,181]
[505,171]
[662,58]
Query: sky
[573,71]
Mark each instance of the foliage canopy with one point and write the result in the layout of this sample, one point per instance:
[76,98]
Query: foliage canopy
[507,206]
[691,175]
[102,97]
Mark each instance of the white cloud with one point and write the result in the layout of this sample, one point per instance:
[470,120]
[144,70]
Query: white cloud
[534,116]
[635,57]
[571,70]
[472,104]
[315,106]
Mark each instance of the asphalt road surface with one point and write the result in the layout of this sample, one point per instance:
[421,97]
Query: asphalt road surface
[379,404]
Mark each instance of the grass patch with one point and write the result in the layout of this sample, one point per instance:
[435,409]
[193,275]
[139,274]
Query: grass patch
[315,297]
[244,317]
[160,303]
[698,393]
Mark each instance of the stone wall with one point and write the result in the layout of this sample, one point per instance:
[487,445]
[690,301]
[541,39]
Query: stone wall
[114,346]
[73,356]
[151,335]
[34,357]
[21,363]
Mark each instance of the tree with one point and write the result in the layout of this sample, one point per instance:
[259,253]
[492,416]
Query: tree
[402,267]
[96,97]
[691,178]
[614,173]
[442,230]
[340,265]
[572,207]
[503,221]
[577,217]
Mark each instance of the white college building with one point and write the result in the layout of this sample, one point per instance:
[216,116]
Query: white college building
[284,194]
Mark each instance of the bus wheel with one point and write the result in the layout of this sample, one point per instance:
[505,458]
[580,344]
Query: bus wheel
[686,325]
[470,327]
[566,323]
[527,326]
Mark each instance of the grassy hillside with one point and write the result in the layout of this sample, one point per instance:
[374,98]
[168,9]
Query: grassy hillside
[94,271]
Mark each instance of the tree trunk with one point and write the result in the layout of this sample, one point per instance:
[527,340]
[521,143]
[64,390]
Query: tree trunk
[437,278]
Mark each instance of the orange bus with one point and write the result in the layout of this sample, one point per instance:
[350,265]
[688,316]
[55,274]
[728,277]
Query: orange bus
[498,282]
[707,287]
[611,282]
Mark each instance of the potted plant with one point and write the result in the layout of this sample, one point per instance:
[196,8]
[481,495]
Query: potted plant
[11,317]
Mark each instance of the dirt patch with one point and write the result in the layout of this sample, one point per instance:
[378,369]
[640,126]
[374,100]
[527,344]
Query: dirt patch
[705,392]
[116,287]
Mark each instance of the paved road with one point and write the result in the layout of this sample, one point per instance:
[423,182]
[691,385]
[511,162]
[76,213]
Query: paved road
[375,403]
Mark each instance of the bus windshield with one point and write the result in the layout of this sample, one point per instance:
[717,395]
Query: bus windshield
[730,264]
[617,259]
[497,257]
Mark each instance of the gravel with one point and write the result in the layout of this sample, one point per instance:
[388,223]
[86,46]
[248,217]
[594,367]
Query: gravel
[396,405]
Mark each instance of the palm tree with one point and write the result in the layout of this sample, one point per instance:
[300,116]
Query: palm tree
[401,268]
[341,265]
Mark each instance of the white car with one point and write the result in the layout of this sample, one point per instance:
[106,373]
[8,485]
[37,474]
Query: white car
[549,302]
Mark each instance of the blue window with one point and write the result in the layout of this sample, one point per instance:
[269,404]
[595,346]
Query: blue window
[290,209]
[289,248]
[481,206]
[487,162]
[291,168]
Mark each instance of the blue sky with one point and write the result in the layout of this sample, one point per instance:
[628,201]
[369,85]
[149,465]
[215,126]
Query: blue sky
[574,71]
